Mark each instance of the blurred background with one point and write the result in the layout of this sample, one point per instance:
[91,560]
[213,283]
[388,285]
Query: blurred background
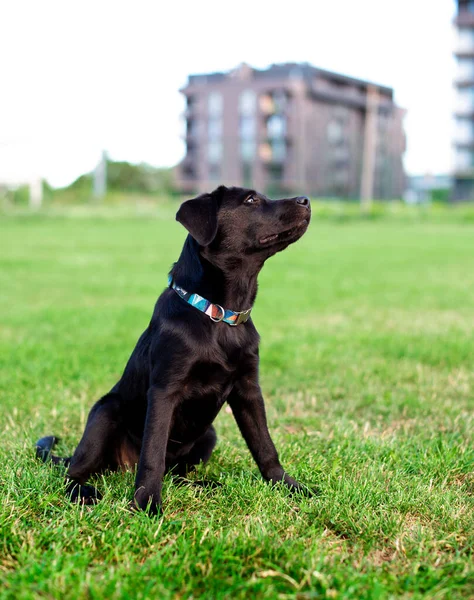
[111,113]
[340,100]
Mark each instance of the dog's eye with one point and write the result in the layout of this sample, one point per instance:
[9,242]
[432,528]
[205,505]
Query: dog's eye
[251,200]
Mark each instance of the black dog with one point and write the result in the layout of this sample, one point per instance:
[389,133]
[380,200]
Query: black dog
[195,355]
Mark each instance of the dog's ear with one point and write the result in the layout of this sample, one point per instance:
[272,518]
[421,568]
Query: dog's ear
[199,216]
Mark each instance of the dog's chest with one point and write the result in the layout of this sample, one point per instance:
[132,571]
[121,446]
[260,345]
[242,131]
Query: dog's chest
[210,377]
[217,365]
[202,396]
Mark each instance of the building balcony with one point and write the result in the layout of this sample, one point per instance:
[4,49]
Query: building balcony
[274,103]
[466,52]
[464,18]
[272,153]
[187,167]
[464,173]
[464,44]
[355,100]
[284,138]
[464,159]
[189,112]
[463,81]
[464,143]
[191,136]
[464,113]
[464,74]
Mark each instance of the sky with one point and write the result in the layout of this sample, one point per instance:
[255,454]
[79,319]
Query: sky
[77,78]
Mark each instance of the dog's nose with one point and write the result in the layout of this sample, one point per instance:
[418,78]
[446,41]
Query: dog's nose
[303,200]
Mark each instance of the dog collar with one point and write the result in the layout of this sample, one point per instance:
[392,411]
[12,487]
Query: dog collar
[214,311]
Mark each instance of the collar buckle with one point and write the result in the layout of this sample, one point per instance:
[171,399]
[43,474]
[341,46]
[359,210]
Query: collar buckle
[243,316]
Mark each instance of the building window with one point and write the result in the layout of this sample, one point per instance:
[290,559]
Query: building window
[340,154]
[278,151]
[464,159]
[191,146]
[380,157]
[214,151]
[341,177]
[215,104]
[465,99]
[465,69]
[214,172]
[247,175]
[274,102]
[280,100]
[383,121]
[192,128]
[275,152]
[247,102]
[341,113]
[335,132]
[214,132]
[276,127]
[188,171]
[465,39]
[265,152]
[267,106]
[247,127]
[247,150]
[275,173]
[214,129]
[464,130]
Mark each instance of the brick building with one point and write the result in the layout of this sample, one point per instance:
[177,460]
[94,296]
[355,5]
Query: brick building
[292,127]
[463,181]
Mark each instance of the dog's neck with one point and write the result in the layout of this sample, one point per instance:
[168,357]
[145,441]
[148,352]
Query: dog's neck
[230,282]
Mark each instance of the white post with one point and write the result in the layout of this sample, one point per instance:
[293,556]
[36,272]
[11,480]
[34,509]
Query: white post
[370,143]
[36,192]
[100,177]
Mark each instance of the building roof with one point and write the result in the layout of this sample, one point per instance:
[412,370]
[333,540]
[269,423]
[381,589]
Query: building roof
[287,70]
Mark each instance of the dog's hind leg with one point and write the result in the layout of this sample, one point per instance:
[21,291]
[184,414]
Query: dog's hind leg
[96,450]
[45,446]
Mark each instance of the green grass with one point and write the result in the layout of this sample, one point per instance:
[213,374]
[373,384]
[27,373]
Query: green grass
[367,367]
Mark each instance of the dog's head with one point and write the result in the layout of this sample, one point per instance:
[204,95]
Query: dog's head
[238,222]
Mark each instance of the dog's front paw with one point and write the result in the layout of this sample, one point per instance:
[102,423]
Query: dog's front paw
[299,488]
[83,494]
[147,501]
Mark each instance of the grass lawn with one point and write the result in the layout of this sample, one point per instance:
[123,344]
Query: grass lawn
[367,368]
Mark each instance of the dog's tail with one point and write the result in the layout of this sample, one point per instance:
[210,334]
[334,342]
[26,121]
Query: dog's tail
[44,447]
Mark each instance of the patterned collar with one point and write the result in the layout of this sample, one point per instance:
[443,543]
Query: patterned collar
[214,311]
